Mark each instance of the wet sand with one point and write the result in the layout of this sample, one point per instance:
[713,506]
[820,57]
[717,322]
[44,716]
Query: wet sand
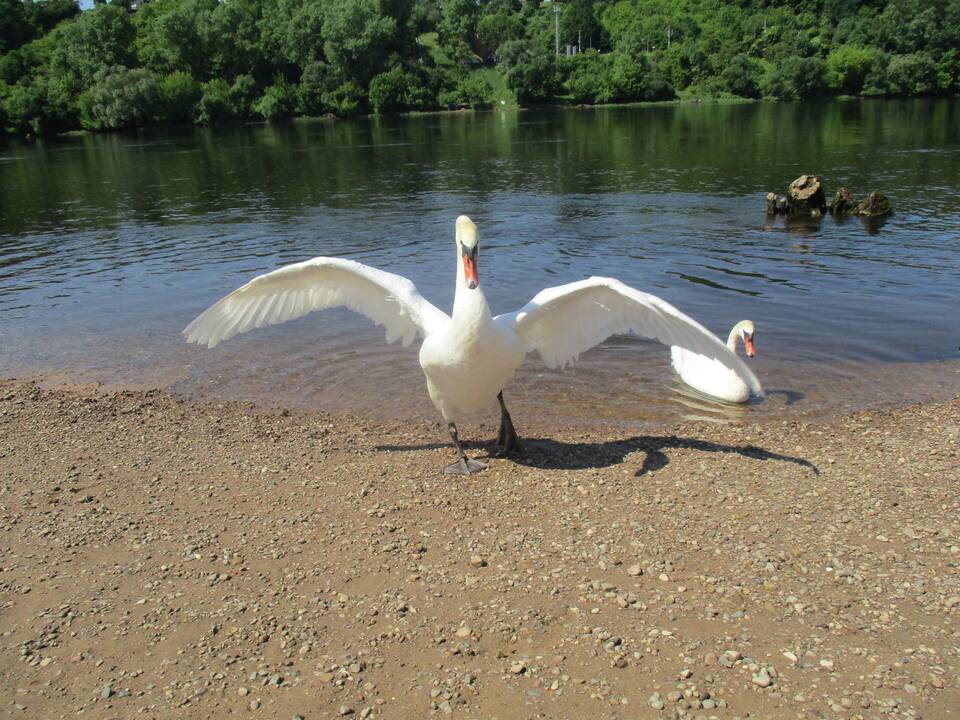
[162,557]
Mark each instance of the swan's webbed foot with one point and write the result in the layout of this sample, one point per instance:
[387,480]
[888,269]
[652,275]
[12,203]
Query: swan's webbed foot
[507,441]
[463,466]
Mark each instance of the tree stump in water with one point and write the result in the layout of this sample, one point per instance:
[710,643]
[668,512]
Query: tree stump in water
[771,203]
[876,205]
[843,202]
[805,196]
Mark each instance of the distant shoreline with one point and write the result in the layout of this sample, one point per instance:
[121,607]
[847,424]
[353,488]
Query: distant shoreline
[330,117]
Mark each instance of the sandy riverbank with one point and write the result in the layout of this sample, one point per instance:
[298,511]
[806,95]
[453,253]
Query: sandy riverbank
[162,558]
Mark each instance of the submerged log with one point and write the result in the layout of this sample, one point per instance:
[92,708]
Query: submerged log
[843,202]
[805,196]
[876,205]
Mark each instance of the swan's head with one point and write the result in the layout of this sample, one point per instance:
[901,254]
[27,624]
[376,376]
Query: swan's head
[468,250]
[747,331]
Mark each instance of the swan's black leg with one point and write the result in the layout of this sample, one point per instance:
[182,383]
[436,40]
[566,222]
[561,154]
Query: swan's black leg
[507,441]
[463,466]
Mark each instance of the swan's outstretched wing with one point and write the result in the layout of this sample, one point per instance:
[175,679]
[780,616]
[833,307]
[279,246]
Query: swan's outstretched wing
[562,322]
[295,290]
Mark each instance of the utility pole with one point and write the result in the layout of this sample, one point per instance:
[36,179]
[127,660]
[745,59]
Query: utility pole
[556,25]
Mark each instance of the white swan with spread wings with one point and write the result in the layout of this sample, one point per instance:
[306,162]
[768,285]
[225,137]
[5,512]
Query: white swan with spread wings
[468,356]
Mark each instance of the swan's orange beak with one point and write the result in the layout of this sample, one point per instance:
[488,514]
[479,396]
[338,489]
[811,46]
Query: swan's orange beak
[470,268]
[749,346]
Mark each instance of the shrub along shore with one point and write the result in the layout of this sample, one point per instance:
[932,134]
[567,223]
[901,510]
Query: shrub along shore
[164,62]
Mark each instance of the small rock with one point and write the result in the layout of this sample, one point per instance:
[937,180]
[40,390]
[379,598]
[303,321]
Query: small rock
[517,668]
[106,692]
[242,691]
[762,679]
[463,632]
[345,710]
[634,570]
[477,561]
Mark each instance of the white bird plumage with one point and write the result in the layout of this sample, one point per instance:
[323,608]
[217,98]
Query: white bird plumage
[468,356]
[715,378]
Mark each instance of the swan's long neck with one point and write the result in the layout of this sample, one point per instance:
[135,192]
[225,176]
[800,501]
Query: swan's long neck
[734,336]
[470,307]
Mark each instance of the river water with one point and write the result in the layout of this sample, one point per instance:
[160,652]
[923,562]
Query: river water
[110,245]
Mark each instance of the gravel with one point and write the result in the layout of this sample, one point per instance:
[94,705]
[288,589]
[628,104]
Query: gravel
[163,558]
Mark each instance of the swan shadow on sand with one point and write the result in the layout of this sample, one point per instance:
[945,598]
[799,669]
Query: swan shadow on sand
[548,454]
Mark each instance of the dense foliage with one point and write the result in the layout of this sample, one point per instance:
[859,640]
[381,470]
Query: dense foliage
[209,62]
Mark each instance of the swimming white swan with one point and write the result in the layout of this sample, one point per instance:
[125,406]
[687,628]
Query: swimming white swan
[715,378]
[468,356]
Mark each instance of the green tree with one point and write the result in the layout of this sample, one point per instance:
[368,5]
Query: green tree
[579,24]
[457,30]
[636,77]
[315,81]
[496,29]
[179,96]
[44,15]
[120,97]
[176,35]
[98,38]
[14,28]
[215,107]
[476,91]
[23,62]
[293,34]
[388,91]
[396,90]
[847,68]
[586,77]
[357,38]
[742,76]
[239,48]
[531,75]
[24,107]
[242,95]
[948,71]
[913,74]
[279,101]
[346,99]
[796,78]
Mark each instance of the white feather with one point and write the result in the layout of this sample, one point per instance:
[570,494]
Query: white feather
[296,290]
[562,322]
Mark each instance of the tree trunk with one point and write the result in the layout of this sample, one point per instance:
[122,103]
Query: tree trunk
[805,196]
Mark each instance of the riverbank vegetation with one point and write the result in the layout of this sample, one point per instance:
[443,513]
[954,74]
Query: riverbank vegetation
[125,64]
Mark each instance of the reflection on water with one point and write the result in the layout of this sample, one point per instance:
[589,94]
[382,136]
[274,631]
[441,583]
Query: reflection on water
[109,245]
